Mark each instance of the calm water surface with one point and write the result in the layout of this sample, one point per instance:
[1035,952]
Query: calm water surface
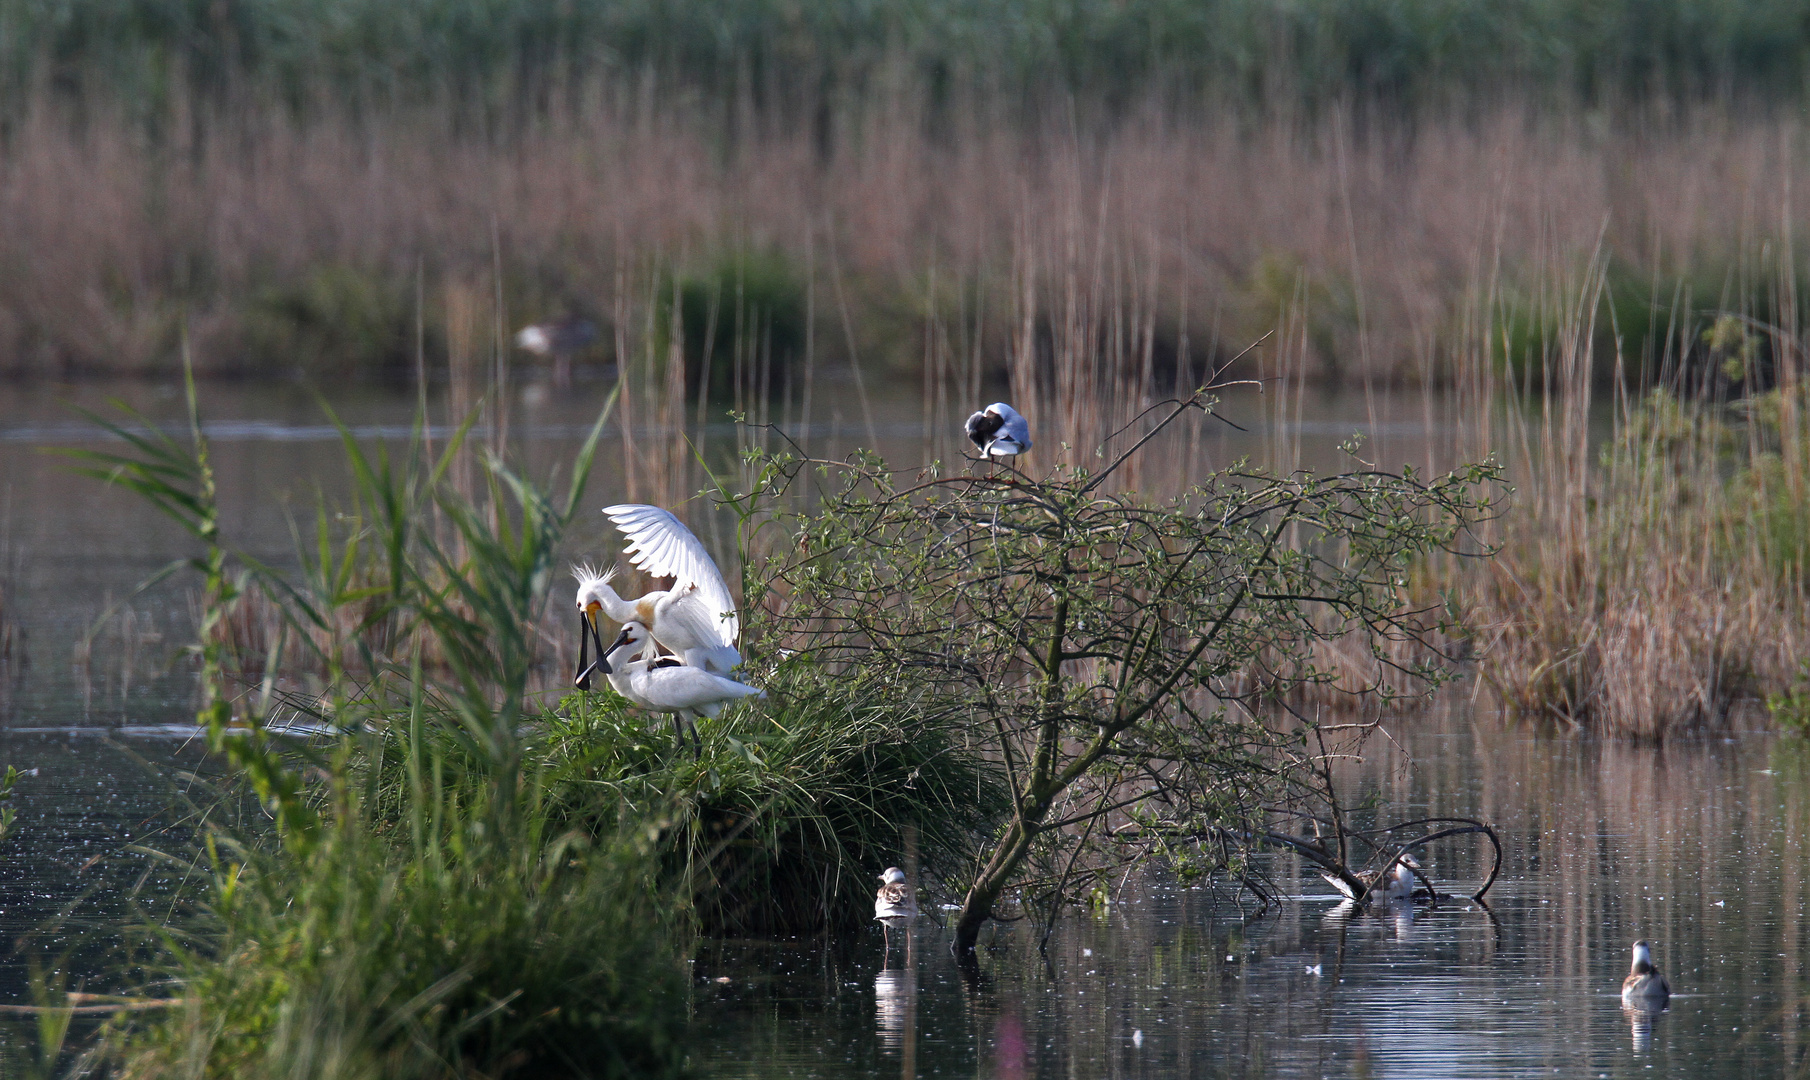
[1698,847]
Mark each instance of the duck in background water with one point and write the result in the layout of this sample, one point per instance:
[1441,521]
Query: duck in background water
[1645,984]
[561,339]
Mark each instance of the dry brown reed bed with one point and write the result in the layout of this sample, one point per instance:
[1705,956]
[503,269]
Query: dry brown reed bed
[1651,581]
[1199,231]
[1096,268]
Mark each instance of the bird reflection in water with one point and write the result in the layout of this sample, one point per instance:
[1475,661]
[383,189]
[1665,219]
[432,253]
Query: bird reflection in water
[1641,1015]
[1399,913]
[896,1007]
[1402,914]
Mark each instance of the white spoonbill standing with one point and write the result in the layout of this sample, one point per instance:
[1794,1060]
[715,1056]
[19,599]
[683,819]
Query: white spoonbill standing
[695,618]
[999,431]
[666,684]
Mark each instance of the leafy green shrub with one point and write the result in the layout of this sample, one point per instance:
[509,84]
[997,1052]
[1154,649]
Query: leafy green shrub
[1120,657]
[1790,707]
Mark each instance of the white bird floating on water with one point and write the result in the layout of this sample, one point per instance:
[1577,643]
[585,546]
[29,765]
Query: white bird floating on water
[667,684]
[1645,983]
[695,618]
[999,431]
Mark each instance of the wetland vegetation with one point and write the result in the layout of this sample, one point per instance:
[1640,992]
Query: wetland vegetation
[1569,232]
[458,875]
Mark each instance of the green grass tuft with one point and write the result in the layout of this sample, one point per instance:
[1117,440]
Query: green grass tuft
[795,805]
[464,938]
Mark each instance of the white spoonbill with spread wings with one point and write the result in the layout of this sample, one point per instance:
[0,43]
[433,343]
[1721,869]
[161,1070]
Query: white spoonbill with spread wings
[695,618]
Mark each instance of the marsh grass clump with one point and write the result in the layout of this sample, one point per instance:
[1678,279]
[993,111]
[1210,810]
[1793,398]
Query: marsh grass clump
[414,904]
[794,805]
[1660,602]
[467,937]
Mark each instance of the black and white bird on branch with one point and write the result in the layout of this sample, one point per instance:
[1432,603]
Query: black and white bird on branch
[999,431]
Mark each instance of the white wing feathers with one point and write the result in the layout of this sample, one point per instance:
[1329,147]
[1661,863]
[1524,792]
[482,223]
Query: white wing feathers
[661,545]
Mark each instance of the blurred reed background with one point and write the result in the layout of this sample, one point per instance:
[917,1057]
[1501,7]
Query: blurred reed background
[278,177]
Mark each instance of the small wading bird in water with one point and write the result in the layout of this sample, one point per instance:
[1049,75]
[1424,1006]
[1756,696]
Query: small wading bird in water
[667,684]
[1395,883]
[999,431]
[1645,983]
[560,339]
[896,904]
[695,618]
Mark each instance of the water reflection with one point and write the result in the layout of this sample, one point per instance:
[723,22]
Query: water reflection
[1641,1016]
[1397,915]
[896,1003]
[895,1000]
[1712,874]
[1010,1051]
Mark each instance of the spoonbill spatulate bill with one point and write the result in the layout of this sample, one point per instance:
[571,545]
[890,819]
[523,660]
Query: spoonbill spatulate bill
[1645,983]
[667,684]
[587,636]
[696,618]
[999,431]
